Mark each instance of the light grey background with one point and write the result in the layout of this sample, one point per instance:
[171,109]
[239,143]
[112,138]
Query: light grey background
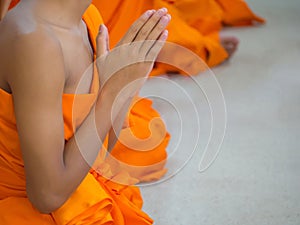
[256,178]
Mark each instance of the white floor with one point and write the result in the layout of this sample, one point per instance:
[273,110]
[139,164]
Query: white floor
[255,179]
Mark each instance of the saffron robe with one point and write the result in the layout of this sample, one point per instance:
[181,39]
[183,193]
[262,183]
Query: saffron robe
[195,25]
[98,200]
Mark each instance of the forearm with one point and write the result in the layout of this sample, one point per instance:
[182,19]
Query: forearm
[71,168]
[82,149]
[117,125]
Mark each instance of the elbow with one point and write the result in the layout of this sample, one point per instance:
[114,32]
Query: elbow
[45,201]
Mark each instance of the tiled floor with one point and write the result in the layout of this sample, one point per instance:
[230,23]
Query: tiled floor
[255,179]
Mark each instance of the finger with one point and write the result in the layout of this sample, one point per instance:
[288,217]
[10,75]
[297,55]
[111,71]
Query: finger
[152,24]
[157,46]
[160,27]
[135,28]
[155,34]
[126,123]
[102,41]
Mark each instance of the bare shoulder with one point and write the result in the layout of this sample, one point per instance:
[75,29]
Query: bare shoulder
[23,32]
[29,51]
[24,35]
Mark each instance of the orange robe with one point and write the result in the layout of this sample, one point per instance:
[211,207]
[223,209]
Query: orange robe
[98,200]
[195,25]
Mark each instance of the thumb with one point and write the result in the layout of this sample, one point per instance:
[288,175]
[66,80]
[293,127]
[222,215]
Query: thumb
[102,41]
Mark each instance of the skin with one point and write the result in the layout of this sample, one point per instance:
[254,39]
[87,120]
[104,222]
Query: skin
[44,52]
[230,44]
[4,4]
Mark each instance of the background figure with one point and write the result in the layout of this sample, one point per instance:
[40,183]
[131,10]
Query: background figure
[195,25]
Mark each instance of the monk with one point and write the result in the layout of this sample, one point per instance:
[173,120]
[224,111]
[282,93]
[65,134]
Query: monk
[56,113]
[195,25]
[143,166]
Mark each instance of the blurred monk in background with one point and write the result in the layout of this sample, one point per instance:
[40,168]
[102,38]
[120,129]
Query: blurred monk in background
[195,25]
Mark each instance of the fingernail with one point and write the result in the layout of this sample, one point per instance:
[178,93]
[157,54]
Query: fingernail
[101,28]
[165,34]
[149,13]
[162,11]
[164,20]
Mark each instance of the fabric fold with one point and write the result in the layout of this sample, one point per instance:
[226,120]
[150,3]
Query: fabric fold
[194,26]
[98,200]
[89,203]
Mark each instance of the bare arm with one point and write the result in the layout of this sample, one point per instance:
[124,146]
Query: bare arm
[53,168]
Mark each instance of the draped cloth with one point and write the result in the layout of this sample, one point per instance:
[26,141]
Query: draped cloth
[195,25]
[106,195]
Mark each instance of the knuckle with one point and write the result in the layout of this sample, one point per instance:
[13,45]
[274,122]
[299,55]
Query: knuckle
[143,32]
[161,26]
[134,29]
[156,17]
[153,54]
[143,19]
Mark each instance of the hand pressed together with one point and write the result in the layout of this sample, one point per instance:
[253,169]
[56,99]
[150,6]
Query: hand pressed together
[133,58]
